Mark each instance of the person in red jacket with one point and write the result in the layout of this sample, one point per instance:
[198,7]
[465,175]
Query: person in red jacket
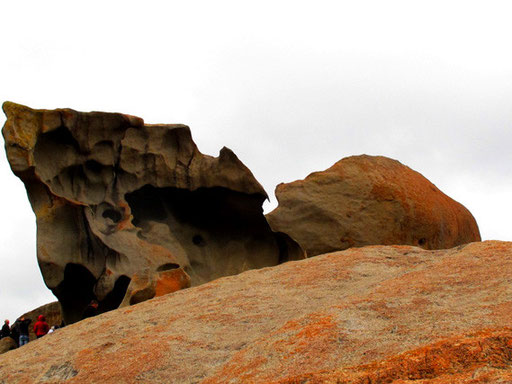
[41,327]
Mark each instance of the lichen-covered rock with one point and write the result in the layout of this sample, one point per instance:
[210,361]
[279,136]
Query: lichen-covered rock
[369,200]
[379,314]
[126,211]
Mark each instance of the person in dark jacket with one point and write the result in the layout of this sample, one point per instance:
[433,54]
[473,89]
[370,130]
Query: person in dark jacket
[15,335]
[41,327]
[6,330]
[22,327]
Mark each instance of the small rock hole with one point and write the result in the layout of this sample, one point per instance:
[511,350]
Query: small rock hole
[166,267]
[112,214]
[198,240]
[93,166]
[422,241]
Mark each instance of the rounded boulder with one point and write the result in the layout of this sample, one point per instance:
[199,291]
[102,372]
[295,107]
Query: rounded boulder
[369,200]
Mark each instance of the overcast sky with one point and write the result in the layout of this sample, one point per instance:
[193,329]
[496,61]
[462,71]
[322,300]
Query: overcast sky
[291,87]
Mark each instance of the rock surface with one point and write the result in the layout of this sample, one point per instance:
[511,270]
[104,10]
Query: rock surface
[369,200]
[379,314]
[7,344]
[126,211]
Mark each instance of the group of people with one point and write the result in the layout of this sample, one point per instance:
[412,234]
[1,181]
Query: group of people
[19,332]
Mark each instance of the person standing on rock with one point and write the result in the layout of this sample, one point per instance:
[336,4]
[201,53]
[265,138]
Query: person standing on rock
[22,327]
[41,327]
[15,334]
[6,330]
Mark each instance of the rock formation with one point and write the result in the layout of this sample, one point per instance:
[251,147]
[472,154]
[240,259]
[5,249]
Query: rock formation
[126,211]
[369,200]
[7,344]
[378,314]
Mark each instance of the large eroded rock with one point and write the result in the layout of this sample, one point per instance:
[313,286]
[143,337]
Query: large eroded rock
[379,314]
[369,200]
[126,211]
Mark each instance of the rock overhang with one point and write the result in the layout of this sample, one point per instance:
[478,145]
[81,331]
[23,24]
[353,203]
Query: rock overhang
[126,210]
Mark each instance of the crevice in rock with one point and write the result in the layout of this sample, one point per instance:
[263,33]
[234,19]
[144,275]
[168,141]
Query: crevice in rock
[94,166]
[288,248]
[142,295]
[112,214]
[167,267]
[115,296]
[75,291]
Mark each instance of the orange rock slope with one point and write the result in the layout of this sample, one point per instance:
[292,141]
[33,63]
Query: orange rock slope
[369,200]
[378,314]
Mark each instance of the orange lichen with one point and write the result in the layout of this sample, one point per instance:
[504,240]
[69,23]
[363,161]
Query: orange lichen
[307,341]
[443,360]
[240,367]
[132,360]
[171,281]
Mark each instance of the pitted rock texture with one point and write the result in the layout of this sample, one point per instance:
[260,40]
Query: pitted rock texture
[369,200]
[378,314]
[126,211]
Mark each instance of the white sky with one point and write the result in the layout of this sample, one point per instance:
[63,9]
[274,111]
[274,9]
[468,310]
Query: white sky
[291,87]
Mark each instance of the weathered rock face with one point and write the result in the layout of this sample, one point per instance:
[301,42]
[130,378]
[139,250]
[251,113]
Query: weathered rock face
[369,200]
[377,314]
[126,211]
[7,344]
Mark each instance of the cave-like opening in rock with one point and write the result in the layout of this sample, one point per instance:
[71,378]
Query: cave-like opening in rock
[112,215]
[75,292]
[59,139]
[202,207]
[115,296]
[221,231]
[146,204]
